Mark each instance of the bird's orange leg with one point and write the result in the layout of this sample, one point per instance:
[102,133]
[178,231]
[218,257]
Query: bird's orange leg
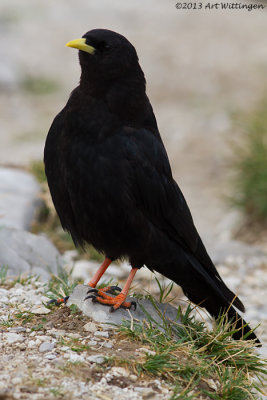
[93,282]
[101,270]
[117,301]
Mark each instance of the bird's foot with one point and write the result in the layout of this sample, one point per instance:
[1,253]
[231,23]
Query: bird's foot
[102,297]
[57,302]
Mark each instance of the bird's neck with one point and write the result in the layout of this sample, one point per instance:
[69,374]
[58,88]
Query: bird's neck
[125,97]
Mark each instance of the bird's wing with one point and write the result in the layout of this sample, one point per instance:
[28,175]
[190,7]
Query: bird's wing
[159,197]
[155,191]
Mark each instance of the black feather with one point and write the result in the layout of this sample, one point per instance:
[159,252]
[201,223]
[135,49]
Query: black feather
[111,181]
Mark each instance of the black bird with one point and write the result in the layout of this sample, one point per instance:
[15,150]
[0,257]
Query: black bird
[112,185]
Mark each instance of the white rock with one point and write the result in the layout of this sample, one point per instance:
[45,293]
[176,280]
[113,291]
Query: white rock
[31,344]
[98,359]
[74,335]
[17,329]
[119,371]
[101,334]
[73,357]
[46,346]
[92,343]
[90,327]
[108,345]
[145,350]
[40,309]
[13,337]
[50,356]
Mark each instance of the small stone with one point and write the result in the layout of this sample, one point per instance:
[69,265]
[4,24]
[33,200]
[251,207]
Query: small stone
[133,377]
[108,345]
[73,357]
[31,344]
[40,309]
[148,394]
[13,337]
[119,371]
[147,351]
[46,346]
[107,327]
[50,356]
[102,334]
[90,327]
[92,343]
[56,333]
[98,359]
[17,329]
[43,338]
[74,335]
[16,380]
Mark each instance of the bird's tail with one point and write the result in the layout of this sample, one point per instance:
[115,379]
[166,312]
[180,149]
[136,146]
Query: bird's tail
[208,290]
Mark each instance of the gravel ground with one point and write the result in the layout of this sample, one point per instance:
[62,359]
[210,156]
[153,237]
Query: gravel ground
[201,67]
[40,357]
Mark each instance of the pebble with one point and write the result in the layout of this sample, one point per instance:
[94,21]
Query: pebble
[13,337]
[145,350]
[98,359]
[119,371]
[17,329]
[73,357]
[92,343]
[101,334]
[40,309]
[31,344]
[90,327]
[50,356]
[46,346]
[108,345]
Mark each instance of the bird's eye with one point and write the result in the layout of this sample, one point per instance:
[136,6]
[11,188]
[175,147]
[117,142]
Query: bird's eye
[102,46]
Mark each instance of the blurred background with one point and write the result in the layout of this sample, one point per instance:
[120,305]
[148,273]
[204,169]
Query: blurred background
[202,68]
[206,77]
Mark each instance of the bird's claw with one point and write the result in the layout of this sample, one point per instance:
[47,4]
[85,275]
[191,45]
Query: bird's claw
[102,297]
[57,302]
[133,303]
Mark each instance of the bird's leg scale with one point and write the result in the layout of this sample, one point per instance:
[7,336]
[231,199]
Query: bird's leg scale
[93,282]
[102,297]
[101,270]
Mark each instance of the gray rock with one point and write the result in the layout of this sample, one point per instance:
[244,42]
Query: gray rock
[46,346]
[101,334]
[17,329]
[18,198]
[98,359]
[13,337]
[222,251]
[23,252]
[100,313]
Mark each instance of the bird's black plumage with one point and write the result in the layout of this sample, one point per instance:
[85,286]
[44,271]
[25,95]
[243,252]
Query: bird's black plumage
[111,181]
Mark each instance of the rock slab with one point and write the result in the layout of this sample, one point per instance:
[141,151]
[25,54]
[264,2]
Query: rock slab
[18,198]
[23,252]
[100,313]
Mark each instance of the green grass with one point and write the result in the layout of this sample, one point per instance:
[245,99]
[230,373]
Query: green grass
[61,285]
[39,85]
[198,362]
[250,165]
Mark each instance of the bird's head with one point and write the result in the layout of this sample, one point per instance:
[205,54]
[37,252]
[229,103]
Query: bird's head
[105,54]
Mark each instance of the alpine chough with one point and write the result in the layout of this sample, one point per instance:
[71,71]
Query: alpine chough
[112,186]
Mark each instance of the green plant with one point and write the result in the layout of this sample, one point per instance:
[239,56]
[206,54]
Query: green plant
[250,165]
[61,285]
[3,274]
[199,363]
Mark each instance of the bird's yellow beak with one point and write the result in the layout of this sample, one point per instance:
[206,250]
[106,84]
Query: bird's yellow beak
[80,44]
